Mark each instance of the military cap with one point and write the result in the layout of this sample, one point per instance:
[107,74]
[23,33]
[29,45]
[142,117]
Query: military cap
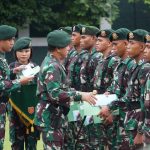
[66,29]
[120,34]
[77,28]
[58,38]
[22,43]
[89,30]
[147,38]
[138,35]
[7,32]
[105,33]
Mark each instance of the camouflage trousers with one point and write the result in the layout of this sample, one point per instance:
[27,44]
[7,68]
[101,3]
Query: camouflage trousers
[131,135]
[75,139]
[52,139]
[18,132]
[84,137]
[3,110]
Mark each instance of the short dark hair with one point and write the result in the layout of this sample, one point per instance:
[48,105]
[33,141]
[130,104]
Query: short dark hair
[20,50]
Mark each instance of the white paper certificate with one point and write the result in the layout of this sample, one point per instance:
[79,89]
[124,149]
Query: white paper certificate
[30,71]
[103,99]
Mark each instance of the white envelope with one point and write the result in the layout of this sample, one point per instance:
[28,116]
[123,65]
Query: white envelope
[103,99]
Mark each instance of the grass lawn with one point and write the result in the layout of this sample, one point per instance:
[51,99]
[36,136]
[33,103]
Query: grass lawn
[7,142]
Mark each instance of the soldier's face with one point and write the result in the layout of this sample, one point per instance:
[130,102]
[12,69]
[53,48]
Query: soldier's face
[102,44]
[87,41]
[23,55]
[75,38]
[119,47]
[147,52]
[6,45]
[63,52]
[135,48]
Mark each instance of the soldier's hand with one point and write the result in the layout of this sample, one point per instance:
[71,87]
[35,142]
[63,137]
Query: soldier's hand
[18,69]
[138,139]
[105,112]
[109,119]
[26,80]
[89,97]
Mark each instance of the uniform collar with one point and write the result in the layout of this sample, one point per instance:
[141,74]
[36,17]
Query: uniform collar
[2,55]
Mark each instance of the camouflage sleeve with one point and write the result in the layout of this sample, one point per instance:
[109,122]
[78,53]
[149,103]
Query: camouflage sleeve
[7,85]
[112,64]
[142,79]
[57,91]
[83,73]
[147,94]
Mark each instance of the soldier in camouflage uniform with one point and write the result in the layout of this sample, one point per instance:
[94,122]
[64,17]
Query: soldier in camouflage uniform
[104,73]
[104,70]
[7,35]
[146,127]
[18,136]
[54,94]
[132,102]
[120,78]
[88,41]
[76,58]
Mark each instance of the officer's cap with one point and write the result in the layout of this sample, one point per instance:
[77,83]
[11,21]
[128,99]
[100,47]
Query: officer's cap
[7,32]
[22,43]
[89,30]
[105,33]
[120,34]
[138,35]
[77,28]
[67,29]
[58,38]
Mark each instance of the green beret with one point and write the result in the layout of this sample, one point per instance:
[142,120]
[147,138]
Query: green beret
[77,28]
[58,38]
[147,38]
[138,35]
[105,33]
[66,29]
[89,30]
[22,43]
[7,32]
[120,34]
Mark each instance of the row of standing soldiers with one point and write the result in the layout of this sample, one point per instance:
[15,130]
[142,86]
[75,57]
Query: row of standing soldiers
[98,62]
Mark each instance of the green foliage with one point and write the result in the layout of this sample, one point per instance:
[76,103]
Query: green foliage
[145,1]
[47,14]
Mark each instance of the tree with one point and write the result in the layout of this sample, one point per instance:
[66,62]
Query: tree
[47,14]
[145,1]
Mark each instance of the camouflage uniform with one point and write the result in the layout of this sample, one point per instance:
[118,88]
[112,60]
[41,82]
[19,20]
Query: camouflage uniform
[75,70]
[104,73]
[102,79]
[132,103]
[69,60]
[88,70]
[54,96]
[87,79]
[122,74]
[146,127]
[18,135]
[6,86]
